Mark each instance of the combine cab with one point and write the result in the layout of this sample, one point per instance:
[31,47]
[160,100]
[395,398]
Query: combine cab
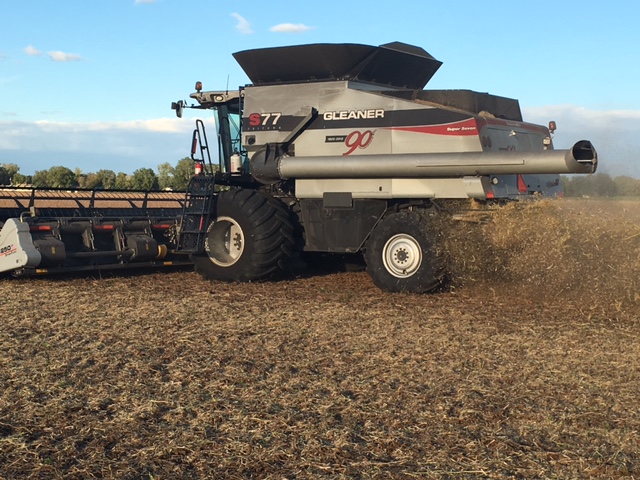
[339,149]
[52,231]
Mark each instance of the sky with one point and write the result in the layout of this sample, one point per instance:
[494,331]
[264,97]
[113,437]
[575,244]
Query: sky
[89,84]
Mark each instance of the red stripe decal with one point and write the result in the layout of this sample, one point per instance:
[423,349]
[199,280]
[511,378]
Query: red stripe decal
[6,253]
[464,128]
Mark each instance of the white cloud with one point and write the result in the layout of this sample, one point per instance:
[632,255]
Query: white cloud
[55,55]
[32,51]
[58,56]
[120,146]
[290,28]
[583,114]
[165,125]
[612,132]
[243,25]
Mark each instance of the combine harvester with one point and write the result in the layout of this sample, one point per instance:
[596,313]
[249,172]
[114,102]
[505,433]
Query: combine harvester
[334,148]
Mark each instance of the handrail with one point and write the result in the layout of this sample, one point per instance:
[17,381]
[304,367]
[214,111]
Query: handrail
[85,201]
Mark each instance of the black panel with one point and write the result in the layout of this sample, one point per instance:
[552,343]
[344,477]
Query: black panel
[394,64]
[337,200]
[339,230]
[397,118]
[474,102]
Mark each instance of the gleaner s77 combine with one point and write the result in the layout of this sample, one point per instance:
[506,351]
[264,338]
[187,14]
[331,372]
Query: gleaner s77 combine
[336,148]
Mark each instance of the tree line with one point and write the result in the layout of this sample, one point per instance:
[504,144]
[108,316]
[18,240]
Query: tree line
[600,185]
[172,177]
[176,177]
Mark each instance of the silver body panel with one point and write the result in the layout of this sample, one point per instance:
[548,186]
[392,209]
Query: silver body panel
[395,188]
[16,246]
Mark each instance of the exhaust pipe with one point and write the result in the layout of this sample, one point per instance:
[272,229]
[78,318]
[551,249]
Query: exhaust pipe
[581,158]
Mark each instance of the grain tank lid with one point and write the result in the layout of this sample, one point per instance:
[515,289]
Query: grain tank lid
[393,64]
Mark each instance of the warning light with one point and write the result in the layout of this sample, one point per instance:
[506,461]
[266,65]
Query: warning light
[198,86]
[522,185]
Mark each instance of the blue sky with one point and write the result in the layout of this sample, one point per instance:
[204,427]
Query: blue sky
[88,84]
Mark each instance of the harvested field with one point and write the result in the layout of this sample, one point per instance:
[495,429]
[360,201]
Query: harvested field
[529,370]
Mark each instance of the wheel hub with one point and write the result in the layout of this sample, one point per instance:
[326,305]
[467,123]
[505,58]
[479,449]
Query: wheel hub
[225,242]
[402,255]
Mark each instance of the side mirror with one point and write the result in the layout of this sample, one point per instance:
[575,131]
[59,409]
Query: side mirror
[178,107]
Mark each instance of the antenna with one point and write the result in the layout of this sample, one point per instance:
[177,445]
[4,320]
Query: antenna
[227,84]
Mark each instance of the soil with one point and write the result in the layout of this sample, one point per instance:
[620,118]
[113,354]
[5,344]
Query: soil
[528,370]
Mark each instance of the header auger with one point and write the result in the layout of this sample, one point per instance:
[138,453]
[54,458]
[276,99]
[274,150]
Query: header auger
[45,230]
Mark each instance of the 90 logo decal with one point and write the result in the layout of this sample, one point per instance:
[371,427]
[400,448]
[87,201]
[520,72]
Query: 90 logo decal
[357,140]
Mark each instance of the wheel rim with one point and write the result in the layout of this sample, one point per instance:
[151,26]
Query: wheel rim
[402,255]
[225,242]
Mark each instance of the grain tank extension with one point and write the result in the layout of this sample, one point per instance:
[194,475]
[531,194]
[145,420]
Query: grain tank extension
[338,148]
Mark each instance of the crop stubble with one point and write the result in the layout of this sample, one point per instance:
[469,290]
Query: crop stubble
[512,373]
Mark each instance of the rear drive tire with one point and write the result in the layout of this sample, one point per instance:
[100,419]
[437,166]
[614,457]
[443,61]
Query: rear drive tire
[401,255]
[250,239]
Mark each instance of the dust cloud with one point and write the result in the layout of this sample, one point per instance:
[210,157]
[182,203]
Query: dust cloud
[578,249]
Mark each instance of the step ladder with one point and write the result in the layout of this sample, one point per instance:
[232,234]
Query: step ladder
[196,213]
[200,196]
